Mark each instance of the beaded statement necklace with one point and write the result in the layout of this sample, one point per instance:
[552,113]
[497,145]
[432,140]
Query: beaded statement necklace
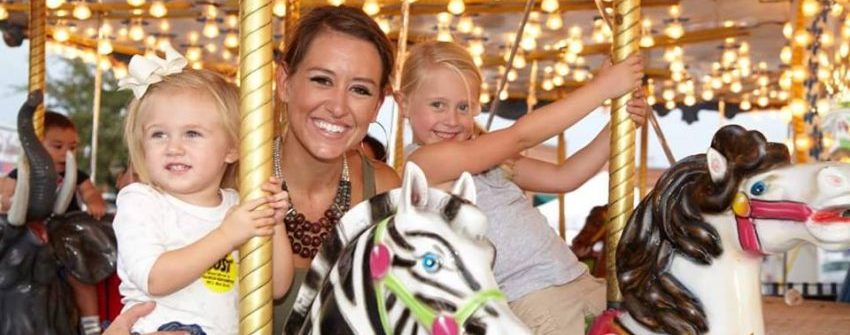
[307,237]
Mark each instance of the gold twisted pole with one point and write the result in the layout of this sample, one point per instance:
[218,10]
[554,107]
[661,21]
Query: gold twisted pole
[37,33]
[255,164]
[622,160]
[562,210]
[398,144]
[798,92]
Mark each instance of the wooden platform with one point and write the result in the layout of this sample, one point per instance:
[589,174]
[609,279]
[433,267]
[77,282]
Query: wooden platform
[811,317]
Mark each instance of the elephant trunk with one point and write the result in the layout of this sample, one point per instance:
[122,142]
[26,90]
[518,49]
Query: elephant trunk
[42,175]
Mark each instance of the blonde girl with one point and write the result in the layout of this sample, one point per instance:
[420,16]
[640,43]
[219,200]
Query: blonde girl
[179,226]
[545,284]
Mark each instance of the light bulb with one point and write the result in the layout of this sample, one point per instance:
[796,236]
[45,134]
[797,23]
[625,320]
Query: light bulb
[485,97]
[61,34]
[690,100]
[554,21]
[504,95]
[746,105]
[762,101]
[444,35]
[193,53]
[787,30]
[336,3]
[211,48]
[371,7]
[476,47]
[465,25]
[528,43]
[549,6]
[707,95]
[562,69]
[797,107]
[104,47]
[651,100]
[785,55]
[210,29]
[580,74]
[512,75]
[670,104]
[81,11]
[674,30]
[810,7]
[558,81]
[802,38]
[456,7]
[226,55]
[519,61]
[158,9]
[675,11]
[53,4]
[193,37]
[279,8]
[444,19]
[547,85]
[136,3]
[232,21]
[736,87]
[136,33]
[575,47]
[647,41]
[668,94]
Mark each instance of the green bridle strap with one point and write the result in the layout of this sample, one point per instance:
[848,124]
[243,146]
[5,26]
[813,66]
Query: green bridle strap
[423,313]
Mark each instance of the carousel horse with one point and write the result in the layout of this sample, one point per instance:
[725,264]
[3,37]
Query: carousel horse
[689,259]
[40,243]
[409,261]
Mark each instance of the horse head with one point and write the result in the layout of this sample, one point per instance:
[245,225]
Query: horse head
[413,259]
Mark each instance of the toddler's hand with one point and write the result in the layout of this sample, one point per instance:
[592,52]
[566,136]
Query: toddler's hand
[278,198]
[621,78]
[96,210]
[246,220]
[638,108]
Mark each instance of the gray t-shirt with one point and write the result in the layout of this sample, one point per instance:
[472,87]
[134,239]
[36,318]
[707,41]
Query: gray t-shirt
[529,254]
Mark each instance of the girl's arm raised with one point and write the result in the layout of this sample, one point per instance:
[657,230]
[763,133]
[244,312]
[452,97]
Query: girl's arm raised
[447,160]
[539,176]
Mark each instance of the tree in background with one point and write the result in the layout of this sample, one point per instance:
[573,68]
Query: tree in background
[72,91]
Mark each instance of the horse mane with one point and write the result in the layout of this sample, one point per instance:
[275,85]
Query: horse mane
[669,220]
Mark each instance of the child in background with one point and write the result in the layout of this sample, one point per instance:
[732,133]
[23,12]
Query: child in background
[546,286]
[60,137]
[178,227]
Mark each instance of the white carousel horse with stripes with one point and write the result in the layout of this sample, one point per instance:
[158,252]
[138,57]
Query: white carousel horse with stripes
[410,261]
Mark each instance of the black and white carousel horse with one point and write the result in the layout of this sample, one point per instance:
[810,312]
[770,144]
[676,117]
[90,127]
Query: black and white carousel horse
[40,244]
[410,261]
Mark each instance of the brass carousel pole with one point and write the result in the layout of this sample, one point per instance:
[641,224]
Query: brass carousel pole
[644,158]
[255,163]
[398,138]
[627,29]
[562,211]
[798,92]
[98,83]
[38,37]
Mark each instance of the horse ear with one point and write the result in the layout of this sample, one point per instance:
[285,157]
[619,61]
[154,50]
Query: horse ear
[717,165]
[414,188]
[464,187]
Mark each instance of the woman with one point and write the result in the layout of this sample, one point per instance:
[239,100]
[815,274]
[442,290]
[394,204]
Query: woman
[332,77]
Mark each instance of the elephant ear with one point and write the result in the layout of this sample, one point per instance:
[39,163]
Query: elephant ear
[84,245]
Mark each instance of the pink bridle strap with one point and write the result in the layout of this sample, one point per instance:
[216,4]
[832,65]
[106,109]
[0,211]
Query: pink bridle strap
[747,210]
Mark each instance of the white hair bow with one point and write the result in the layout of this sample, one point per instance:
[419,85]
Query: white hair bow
[145,71]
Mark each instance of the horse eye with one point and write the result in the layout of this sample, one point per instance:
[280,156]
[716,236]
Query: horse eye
[431,262]
[758,188]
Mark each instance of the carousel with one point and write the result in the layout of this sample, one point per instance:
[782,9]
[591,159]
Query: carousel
[684,258]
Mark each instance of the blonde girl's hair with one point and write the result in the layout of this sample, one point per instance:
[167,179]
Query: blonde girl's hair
[224,94]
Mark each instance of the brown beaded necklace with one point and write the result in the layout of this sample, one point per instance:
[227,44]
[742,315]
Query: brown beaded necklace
[306,237]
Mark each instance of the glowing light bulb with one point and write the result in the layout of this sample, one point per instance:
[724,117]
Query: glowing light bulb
[802,38]
[193,37]
[476,47]
[558,81]
[61,34]
[647,41]
[554,21]
[670,104]
[136,33]
[53,4]
[136,3]
[371,7]
[465,25]
[455,7]
[519,61]
[104,47]
[762,101]
[674,30]
[736,87]
[690,100]
[193,53]
[549,6]
[797,107]
[210,29]
[484,98]
[384,24]
[562,69]
[279,8]
[158,9]
[81,11]
[512,75]
[810,7]
[785,55]
[787,30]
[580,74]
[444,35]
[547,85]
[231,40]
[707,95]
[746,105]
[336,3]
[504,95]
[528,43]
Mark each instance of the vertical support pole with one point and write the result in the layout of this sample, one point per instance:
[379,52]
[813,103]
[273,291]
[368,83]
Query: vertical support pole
[398,127]
[644,158]
[798,55]
[38,38]
[95,123]
[255,164]
[627,30]
[562,212]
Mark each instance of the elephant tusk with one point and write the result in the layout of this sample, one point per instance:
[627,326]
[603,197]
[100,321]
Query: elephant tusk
[69,185]
[18,211]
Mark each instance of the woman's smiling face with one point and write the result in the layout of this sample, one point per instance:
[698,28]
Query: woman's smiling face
[333,95]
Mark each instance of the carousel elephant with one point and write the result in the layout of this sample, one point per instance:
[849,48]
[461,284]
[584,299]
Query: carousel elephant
[40,244]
